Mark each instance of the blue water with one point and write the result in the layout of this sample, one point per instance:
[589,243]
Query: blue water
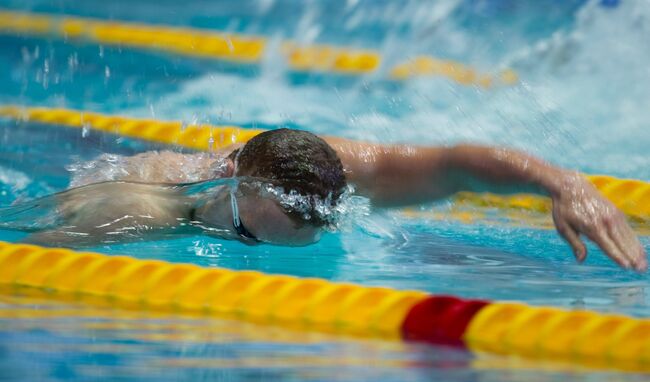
[581,104]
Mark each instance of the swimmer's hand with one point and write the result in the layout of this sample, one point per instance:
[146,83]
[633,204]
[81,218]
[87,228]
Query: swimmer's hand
[578,208]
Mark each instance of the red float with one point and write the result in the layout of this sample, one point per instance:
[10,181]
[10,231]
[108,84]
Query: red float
[440,319]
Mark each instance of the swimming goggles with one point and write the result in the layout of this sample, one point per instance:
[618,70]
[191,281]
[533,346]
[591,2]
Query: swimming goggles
[236,221]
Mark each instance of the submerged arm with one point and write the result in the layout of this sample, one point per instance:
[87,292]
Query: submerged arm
[399,175]
[114,212]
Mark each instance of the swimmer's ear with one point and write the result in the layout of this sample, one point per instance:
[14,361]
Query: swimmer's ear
[230,168]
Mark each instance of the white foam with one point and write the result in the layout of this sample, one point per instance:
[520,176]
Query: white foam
[17,180]
[153,166]
[582,101]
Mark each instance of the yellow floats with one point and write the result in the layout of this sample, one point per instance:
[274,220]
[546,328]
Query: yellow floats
[460,73]
[198,137]
[241,49]
[580,337]
[632,196]
[130,283]
[323,58]
[183,41]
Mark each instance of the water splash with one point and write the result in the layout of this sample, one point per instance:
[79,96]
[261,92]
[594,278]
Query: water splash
[153,166]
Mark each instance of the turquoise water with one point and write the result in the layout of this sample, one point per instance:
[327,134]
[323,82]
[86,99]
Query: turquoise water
[581,104]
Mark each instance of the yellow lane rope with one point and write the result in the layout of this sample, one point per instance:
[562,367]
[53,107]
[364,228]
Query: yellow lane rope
[580,337]
[184,41]
[317,305]
[240,48]
[135,284]
[430,66]
[326,58]
[630,195]
[198,137]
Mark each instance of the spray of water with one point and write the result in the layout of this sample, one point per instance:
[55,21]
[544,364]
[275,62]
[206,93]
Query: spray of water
[583,74]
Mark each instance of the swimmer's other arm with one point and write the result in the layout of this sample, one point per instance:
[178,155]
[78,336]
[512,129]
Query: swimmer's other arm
[400,175]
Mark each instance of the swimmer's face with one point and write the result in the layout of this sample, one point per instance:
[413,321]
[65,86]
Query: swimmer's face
[262,217]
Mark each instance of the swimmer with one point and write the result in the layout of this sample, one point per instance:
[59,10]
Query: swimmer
[147,193]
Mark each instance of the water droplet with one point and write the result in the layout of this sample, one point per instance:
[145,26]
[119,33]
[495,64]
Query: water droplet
[211,143]
[45,78]
[231,47]
[25,54]
[73,61]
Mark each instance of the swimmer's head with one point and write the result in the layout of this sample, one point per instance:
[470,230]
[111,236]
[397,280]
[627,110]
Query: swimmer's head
[298,163]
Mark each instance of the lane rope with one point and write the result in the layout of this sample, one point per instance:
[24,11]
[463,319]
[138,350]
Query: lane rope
[630,195]
[309,304]
[240,48]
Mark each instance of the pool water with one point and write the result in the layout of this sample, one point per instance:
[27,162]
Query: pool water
[580,103]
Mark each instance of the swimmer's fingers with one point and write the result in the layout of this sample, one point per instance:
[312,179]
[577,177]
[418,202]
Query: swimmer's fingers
[601,237]
[627,242]
[610,233]
[572,237]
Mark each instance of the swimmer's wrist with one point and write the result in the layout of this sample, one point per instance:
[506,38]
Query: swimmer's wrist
[557,181]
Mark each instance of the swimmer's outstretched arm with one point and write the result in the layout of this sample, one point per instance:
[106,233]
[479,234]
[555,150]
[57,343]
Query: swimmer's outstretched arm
[401,175]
